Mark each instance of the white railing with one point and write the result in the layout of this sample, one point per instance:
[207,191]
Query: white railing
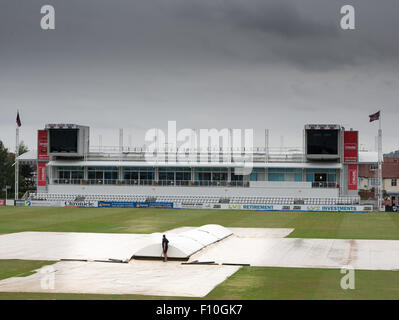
[255,154]
[142,182]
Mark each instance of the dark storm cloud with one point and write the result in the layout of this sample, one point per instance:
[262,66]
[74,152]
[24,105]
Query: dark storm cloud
[281,18]
[304,33]
[205,63]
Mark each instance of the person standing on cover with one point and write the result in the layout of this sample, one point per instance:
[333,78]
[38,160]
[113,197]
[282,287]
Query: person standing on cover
[165,248]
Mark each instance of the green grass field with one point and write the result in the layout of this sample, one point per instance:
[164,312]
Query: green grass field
[248,282]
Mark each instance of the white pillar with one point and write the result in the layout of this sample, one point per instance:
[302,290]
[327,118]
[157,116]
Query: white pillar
[121,140]
[266,145]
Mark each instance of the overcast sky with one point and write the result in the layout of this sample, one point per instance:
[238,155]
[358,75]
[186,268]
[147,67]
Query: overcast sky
[275,64]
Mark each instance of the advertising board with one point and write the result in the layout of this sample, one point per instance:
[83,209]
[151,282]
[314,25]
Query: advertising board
[81,204]
[294,208]
[121,204]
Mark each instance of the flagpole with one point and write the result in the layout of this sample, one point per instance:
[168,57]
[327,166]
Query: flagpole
[380,186]
[16,161]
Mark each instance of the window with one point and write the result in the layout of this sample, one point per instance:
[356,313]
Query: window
[373,182]
[211,174]
[174,174]
[74,173]
[394,182]
[183,176]
[103,173]
[235,177]
[132,175]
[373,167]
[284,174]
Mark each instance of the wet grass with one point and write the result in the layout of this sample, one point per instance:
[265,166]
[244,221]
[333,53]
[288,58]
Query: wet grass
[248,282]
[254,283]
[371,225]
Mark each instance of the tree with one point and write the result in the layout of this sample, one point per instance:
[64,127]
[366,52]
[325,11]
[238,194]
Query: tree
[7,170]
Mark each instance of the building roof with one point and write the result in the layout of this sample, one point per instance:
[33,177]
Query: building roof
[28,156]
[390,170]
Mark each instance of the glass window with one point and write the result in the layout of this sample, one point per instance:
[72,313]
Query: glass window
[373,167]
[373,182]
[204,176]
[100,173]
[131,175]
[219,176]
[235,177]
[146,176]
[276,176]
[77,174]
[183,176]
[70,172]
[167,176]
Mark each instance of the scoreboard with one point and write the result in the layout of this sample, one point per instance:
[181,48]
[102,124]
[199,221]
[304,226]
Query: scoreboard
[322,142]
[67,140]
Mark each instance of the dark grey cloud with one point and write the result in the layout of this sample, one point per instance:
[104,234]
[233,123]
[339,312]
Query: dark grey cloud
[304,33]
[205,63]
[281,18]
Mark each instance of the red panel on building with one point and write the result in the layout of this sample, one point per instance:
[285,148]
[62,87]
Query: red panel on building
[42,145]
[351,142]
[41,174]
[352,177]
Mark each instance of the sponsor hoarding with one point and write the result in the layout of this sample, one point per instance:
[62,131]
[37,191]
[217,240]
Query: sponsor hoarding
[170,205]
[41,174]
[58,203]
[197,206]
[351,155]
[293,208]
[81,204]
[42,145]
[121,204]
[116,204]
[352,177]
[2,202]
[38,203]
[20,203]
[351,146]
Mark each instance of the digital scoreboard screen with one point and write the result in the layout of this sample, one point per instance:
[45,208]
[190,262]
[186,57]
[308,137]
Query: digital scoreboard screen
[63,140]
[322,142]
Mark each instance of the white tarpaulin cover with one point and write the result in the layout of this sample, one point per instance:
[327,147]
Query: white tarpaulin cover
[184,244]
[103,246]
[139,277]
[255,246]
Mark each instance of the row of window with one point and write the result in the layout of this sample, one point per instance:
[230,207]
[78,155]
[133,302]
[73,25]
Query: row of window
[373,182]
[200,174]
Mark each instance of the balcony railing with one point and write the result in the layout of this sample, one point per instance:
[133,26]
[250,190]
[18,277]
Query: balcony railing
[141,182]
[199,155]
[331,185]
[177,183]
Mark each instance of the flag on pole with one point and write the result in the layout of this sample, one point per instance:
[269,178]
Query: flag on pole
[374,116]
[18,119]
